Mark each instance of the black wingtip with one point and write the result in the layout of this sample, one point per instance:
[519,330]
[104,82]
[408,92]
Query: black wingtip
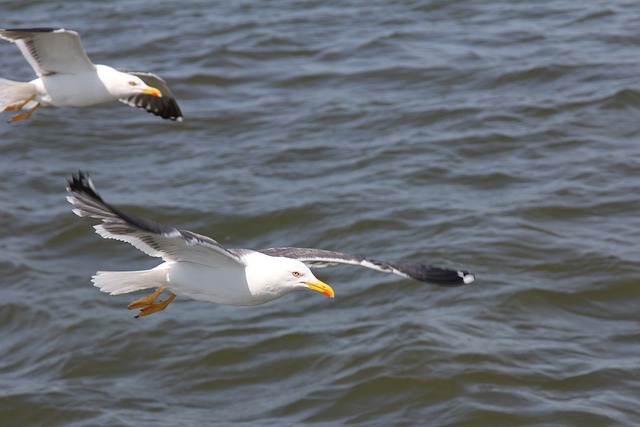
[165,107]
[435,275]
[33,30]
[81,183]
[448,278]
[159,107]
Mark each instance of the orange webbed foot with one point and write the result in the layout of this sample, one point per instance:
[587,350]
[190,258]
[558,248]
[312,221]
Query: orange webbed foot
[156,307]
[145,301]
[23,115]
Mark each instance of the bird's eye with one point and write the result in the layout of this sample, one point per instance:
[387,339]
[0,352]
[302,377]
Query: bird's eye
[132,83]
[295,274]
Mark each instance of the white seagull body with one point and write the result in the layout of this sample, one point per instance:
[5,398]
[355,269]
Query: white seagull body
[199,268]
[68,78]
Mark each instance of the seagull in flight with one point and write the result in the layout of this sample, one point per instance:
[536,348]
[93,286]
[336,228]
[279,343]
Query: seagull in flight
[68,78]
[200,268]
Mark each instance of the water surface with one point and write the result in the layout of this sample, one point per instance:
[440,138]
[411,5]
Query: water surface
[498,137]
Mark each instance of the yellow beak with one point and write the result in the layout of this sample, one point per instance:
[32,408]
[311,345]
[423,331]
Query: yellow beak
[151,91]
[320,286]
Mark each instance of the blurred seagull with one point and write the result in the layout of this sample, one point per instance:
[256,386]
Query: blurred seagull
[68,78]
[198,267]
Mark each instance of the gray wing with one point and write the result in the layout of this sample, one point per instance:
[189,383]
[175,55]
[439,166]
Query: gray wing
[50,50]
[152,238]
[165,107]
[425,273]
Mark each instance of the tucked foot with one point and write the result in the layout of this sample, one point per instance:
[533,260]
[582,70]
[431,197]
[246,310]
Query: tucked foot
[145,301]
[18,105]
[154,308]
[23,115]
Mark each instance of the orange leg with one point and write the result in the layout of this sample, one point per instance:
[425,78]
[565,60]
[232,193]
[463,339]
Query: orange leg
[19,105]
[145,301]
[24,115]
[154,308]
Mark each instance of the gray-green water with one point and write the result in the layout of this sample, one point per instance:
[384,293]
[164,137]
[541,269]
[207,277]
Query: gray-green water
[500,137]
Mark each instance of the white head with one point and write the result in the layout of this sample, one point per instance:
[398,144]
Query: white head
[122,85]
[277,276]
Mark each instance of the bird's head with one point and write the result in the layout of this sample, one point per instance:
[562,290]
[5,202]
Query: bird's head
[123,85]
[281,275]
[136,85]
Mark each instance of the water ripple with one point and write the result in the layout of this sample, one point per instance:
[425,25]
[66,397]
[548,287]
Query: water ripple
[502,140]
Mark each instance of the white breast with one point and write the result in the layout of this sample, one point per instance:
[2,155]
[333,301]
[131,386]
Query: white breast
[222,285]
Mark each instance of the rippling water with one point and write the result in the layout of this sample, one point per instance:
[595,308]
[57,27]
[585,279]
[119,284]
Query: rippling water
[499,137]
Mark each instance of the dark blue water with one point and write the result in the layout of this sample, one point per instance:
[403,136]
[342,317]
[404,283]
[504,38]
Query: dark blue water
[498,137]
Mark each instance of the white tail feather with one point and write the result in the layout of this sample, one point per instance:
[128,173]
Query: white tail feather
[12,92]
[123,282]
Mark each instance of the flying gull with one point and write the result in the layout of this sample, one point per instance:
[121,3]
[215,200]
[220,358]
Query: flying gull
[198,267]
[68,78]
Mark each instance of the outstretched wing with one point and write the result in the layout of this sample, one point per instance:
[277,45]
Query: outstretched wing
[50,50]
[152,238]
[165,106]
[425,273]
